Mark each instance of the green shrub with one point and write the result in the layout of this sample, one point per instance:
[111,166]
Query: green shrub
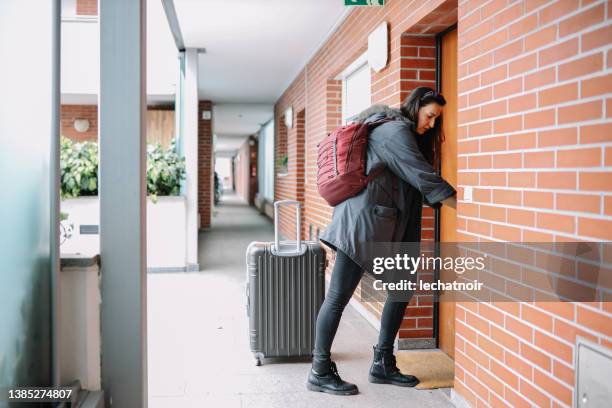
[165,171]
[79,169]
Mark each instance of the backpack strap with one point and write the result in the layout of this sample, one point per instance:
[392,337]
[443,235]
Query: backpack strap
[376,172]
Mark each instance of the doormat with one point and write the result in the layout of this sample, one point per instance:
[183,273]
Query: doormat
[432,367]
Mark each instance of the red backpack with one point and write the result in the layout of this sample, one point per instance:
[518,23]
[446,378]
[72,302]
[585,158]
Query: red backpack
[341,162]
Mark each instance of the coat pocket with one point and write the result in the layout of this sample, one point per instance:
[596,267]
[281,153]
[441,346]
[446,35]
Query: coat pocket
[385,219]
[385,212]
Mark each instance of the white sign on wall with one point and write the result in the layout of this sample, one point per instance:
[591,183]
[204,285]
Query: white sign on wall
[289,117]
[378,49]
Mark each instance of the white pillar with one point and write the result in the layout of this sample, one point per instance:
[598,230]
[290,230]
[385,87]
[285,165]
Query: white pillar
[190,149]
[122,108]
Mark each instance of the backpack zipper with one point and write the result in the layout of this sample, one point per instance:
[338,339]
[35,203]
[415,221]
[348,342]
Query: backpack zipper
[335,160]
[350,152]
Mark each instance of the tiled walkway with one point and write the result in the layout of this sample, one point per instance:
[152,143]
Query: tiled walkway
[198,336]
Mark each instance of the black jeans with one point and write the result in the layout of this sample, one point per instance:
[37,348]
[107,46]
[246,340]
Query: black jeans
[344,280]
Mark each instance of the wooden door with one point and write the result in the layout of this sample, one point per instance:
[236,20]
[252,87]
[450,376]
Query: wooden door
[448,216]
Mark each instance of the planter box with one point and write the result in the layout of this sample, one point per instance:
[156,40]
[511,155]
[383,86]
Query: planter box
[166,230]
[167,233]
[79,334]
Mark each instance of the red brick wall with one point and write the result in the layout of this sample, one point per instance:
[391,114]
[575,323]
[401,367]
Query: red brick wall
[290,186]
[69,113]
[298,146]
[205,166]
[253,179]
[411,63]
[87,7]
[160,123]
[534,139]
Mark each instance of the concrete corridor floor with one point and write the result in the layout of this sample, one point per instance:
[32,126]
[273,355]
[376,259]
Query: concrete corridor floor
[198,345]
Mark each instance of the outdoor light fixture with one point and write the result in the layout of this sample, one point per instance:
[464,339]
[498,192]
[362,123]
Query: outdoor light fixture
[289,117]
[378,47]
[81,125]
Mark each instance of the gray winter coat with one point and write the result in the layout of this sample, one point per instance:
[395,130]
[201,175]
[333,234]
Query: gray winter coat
[387,210]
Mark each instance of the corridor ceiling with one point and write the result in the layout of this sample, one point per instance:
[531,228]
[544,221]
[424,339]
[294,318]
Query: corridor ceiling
[254,50]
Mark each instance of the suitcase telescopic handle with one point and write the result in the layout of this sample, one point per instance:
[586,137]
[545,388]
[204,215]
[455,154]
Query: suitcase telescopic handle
[298,225]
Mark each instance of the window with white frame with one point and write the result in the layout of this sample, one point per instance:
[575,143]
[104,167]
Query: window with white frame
[356,88]
[265,161]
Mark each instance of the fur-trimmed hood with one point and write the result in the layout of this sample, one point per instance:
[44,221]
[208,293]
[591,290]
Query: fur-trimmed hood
[387,111]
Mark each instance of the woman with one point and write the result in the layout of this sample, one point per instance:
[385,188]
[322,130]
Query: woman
[388,210]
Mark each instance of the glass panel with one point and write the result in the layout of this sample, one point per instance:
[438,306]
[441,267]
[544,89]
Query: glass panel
[27,133]
[269,182]
[261,163]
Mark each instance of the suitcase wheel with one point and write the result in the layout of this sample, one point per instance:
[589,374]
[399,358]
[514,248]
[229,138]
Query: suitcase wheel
[258,359]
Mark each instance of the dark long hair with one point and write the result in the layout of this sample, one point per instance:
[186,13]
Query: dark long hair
[430,142]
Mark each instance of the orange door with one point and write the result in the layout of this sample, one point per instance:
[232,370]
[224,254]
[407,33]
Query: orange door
[448,215]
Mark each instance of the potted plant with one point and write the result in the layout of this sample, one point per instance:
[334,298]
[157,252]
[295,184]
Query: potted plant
[165,171]
[283,163]
[166,208]
[78,168]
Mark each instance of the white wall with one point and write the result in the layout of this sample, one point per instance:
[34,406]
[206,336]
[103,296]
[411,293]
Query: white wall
[166,224]
[80,326]
[223,166]
[81,50]
[80,62]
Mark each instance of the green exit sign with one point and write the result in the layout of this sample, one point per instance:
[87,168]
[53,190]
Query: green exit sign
[364,2]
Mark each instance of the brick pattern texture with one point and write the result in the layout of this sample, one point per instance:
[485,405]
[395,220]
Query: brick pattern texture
[159,120]
[87,7]
[205,166]
[69,113]
[534,141]
[535,144]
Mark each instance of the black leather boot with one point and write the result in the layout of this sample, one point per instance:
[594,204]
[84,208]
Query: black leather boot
[384,370]
[329,380]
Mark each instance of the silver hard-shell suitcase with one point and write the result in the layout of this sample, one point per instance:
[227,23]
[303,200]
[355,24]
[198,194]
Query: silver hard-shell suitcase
[285,288]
